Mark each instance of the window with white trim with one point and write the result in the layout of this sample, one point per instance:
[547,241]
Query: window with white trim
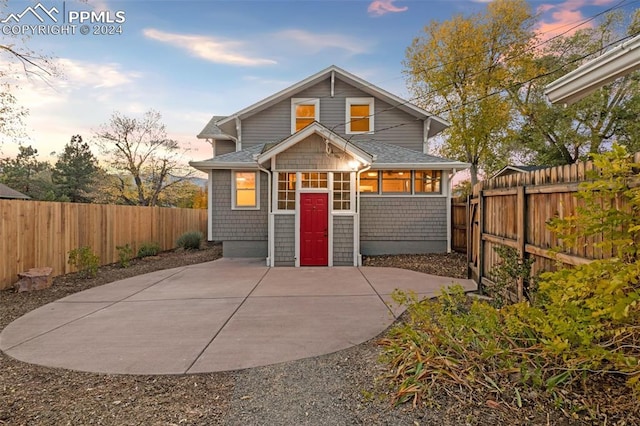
[396,182]
[314,180]
[245,189]
[369,182]
[359,115]
[286,191]
[342,191]
[304,111]
[428,182]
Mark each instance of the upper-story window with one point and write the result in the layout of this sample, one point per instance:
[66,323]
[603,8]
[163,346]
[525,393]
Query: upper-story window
[304,111]
[359,115]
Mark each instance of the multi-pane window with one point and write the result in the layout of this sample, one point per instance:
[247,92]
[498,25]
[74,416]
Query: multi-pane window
[428,181]
[369,182]
[342,191]
[303,113]
[396,181]
[359,117]
[314,180]
[418,182]
[286,191]
[245,191]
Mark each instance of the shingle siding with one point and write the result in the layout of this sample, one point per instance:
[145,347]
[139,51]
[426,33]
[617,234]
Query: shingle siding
[343,240]
[310,154]
[238,225]
[285,250]
[274,124]
[403,219]
[225,147]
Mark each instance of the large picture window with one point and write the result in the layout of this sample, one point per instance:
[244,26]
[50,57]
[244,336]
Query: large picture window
[303,113]
[360,114]
[390,182]
[245,190]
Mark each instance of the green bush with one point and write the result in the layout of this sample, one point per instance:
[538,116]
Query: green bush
[149,249]
[125,254]
[85,260]
[190,240]
[582,323]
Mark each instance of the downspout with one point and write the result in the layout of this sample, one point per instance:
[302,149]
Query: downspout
[356,225]
[270,223]
[449,192]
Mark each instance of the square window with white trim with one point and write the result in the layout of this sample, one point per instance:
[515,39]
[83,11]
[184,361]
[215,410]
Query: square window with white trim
[359,115]
[428,182]
[245,189]
[304,111]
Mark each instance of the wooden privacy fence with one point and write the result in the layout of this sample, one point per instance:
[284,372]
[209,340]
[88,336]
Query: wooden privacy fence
[459,224]
[513,211]
[38,234]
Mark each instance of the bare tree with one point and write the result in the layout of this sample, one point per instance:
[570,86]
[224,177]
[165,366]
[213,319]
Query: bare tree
[138,150]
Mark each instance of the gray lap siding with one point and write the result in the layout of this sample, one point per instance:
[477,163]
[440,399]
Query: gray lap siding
[237,225]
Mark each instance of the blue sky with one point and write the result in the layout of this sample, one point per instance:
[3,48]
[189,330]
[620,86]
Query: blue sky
[190,60]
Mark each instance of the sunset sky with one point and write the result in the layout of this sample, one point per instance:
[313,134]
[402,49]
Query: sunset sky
[190,60]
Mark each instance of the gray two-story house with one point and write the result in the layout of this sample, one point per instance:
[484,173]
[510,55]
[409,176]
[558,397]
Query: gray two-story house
[325,171]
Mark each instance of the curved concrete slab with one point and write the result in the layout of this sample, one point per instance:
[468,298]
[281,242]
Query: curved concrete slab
[216,316]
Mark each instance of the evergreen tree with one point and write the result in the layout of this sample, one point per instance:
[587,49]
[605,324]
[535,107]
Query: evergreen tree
[75,172]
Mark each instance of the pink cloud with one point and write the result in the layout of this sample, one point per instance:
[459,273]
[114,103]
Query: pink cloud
[382,7]
[562,17]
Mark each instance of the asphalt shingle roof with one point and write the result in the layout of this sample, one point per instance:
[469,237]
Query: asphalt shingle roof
[6,192]
[211,129]
[392,154]
[244,156]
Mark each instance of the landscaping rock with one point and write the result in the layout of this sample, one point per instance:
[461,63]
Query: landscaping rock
[34,279]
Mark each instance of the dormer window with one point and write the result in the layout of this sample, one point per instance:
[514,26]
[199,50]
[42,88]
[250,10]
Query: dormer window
[304,111]
[359,115]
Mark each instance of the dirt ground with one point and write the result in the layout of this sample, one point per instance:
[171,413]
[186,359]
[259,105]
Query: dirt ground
[344,388]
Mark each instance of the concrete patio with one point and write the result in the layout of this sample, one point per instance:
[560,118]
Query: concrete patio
[223,315]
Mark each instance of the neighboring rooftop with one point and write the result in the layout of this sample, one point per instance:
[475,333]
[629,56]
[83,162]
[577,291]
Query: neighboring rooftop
[9,193]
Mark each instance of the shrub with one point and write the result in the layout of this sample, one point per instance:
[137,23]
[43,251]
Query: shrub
[190,240]
[149,249]
[85,260]
[125,253]
[582,324]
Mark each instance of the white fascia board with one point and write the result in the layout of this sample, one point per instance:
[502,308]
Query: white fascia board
[592,75]
[205,166]
[422,166]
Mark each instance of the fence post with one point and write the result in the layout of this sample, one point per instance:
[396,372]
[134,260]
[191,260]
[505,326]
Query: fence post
[481,241]
[469,232]
[521,212]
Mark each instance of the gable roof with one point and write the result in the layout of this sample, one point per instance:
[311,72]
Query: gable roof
[437,125]
[9,193]
[589,77]
[212,131]
[507,170]
[329,136]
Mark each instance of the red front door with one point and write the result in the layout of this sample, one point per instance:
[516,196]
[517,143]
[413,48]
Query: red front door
[314,220]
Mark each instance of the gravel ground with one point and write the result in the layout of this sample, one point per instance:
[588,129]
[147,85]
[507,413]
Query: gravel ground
[343,388]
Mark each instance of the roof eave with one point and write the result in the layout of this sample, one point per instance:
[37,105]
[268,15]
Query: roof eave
[449,165]
[592,75]
[205,166]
